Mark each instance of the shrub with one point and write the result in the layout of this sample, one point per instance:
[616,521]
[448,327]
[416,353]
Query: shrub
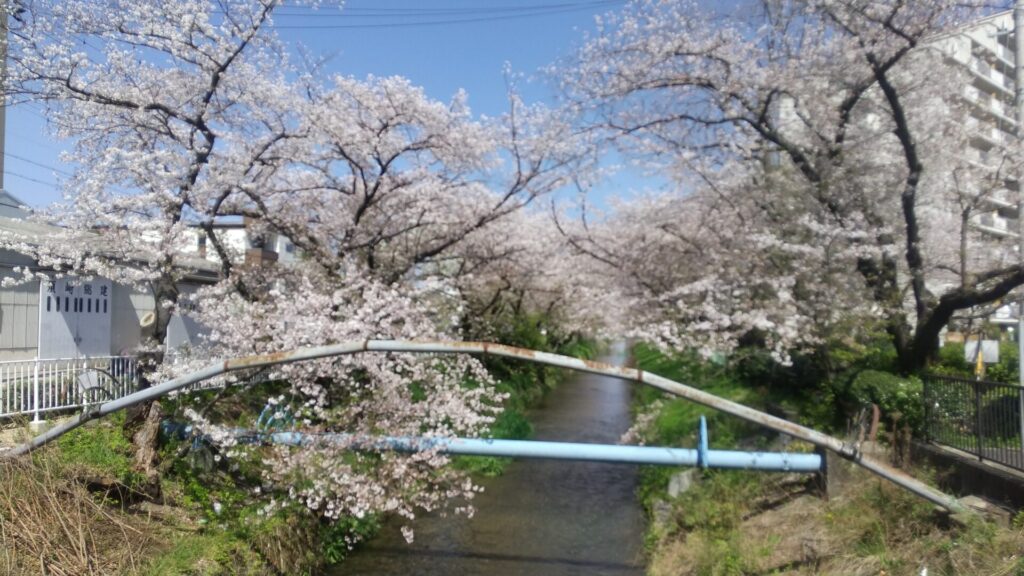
[951,362]
[897,398]
[1000,417]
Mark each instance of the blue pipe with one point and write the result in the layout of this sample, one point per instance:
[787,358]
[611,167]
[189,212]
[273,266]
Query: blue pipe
[771,461]
[702,456]
[702,443]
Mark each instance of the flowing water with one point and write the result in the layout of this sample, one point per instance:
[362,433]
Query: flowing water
[540,517]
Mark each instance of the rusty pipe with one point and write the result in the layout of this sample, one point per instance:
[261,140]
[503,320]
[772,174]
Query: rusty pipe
[819,439]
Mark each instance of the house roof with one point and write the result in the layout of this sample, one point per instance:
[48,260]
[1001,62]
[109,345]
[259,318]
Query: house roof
[11,206]
[33,231]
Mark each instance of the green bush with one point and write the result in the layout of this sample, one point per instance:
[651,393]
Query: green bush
[334,536]
[897,398]
[951,362]
[511,424]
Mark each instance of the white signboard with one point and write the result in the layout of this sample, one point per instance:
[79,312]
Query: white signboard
[989,351]
[74,318]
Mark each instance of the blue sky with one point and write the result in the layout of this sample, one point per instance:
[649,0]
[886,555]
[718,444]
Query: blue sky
[383,38]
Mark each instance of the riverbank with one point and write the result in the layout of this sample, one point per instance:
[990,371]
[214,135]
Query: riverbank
[737,522]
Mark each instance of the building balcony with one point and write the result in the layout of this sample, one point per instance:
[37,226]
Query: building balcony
[987,134]
[990,106]
[993,231]
[991,80]
[994,224]
[1006,55]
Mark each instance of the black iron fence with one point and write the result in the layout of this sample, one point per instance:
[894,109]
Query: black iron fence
[983,418]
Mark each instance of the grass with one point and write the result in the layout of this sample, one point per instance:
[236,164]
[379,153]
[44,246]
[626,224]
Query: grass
[738,522]
[676,420]
[101,449]
[49,523]
[720,528]
[207,554]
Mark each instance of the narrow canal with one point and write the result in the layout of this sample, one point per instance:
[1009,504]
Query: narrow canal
[540,517]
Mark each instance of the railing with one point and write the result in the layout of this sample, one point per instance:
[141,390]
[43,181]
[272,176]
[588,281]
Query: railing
[1007,54]
[978,417]
[36,387]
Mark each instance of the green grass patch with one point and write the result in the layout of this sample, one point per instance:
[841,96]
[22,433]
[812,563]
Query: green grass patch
[100,449]
[206,554]
[677,419]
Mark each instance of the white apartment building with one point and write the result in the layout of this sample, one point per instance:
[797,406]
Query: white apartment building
[986,49]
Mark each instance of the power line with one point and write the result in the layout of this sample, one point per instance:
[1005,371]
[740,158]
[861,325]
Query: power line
[28,108]
[495,18]
[30,179]
[39,164]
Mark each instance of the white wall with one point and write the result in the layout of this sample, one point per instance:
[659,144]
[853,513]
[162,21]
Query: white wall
[130,305]
[19,319]
[74,317]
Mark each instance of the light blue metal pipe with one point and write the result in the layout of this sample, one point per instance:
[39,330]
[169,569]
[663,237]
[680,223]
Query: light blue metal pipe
[702,443]
[772,461]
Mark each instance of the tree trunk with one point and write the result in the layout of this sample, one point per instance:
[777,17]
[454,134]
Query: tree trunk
[914,352]
[142,422]
[146,439]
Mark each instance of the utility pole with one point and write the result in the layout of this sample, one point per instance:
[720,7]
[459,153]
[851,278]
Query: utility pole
[1018,103]
[4,7]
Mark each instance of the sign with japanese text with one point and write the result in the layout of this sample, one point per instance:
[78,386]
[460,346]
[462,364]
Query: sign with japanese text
[74,317]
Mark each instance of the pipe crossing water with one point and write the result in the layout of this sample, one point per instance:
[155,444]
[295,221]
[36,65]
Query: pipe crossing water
[846,450]
[268,432]
[610,453]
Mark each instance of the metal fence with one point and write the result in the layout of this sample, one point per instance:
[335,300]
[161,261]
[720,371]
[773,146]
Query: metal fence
[35,387]
[985,419]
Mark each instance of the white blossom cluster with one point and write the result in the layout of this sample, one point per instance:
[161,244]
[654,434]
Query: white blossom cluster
[362,395]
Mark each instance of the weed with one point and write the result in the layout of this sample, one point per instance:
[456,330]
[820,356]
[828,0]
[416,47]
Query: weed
[100,449]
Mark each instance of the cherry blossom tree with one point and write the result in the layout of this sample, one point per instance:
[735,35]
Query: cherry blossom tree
[171,107]
[821,159]
[183,114]
[519,266]
[363,395]
[401,180]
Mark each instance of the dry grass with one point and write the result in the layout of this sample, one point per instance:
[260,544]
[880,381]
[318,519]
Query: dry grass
[50,524]
[873,529]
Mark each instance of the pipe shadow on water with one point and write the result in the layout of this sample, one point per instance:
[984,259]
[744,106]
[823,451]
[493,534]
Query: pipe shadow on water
[517,558]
